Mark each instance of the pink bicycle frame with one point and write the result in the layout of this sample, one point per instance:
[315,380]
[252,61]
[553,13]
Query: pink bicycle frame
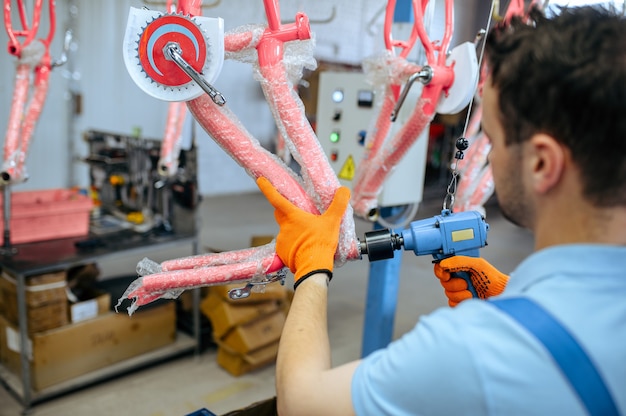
[313,191]
[518,8]
[23,116]
[177,111]
[383,154]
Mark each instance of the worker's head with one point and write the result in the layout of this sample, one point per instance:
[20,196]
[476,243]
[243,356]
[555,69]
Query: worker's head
[563,77]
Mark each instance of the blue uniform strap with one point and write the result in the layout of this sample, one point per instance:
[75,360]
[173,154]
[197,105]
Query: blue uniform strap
[567,353]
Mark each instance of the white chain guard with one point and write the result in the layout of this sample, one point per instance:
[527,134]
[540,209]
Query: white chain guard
[213,29]
[465,79]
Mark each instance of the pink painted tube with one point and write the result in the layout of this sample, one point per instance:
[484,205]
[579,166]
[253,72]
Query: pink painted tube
[169,284]
[383,163]
[170,147]
[473,162]
[473,127]
[289,114]
[383,124]
[477,193]
[377,137]
[238,42]
[23,117]
[12,138]
[387,72]
[187,279]
[474,152]
[14,46]
[484,188]
[142,297]
[211,259]
[281,149]
[245,38]
[476,183]
[390,42]
[247,151]
[35,107]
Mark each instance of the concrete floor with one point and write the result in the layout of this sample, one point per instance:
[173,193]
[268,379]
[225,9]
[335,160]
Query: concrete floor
[182,385]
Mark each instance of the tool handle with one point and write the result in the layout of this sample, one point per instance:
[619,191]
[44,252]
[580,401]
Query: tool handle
[470,286]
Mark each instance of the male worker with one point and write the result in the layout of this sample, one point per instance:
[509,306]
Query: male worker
[553,104]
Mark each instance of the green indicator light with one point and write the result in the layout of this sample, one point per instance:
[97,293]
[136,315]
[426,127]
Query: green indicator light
[334,136]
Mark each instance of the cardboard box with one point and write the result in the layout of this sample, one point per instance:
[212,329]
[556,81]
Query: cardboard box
[238,364]
[90,308]
[73,350]
[46,301]
[271,291]
[48,214]
[226,315]
[254,335]
[185,300]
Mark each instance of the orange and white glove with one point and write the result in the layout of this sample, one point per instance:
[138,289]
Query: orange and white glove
[486,279]
[306,243]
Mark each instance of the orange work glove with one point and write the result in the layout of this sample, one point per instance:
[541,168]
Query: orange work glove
[486,279]
[306,243]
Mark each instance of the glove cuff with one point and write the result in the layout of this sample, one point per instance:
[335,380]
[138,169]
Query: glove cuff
[311,273]
[498,285]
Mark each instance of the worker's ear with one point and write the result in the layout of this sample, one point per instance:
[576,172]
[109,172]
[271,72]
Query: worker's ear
[547,162]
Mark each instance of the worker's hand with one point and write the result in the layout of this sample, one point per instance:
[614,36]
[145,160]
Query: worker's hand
[306,243]
[486,279]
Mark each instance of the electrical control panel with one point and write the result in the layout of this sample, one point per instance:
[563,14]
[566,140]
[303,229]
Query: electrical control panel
[346,108]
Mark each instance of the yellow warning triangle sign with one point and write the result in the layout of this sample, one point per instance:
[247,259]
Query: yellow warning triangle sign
[348,169]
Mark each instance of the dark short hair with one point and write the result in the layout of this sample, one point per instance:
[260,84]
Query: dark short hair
[566,76]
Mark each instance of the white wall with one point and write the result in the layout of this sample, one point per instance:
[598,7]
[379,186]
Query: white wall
[112,102]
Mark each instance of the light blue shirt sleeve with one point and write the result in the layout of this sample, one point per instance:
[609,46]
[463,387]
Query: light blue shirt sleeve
[420,373]
[470,360]
[474,360]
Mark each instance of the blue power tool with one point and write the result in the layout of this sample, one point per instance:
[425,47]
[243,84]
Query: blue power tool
[441,236]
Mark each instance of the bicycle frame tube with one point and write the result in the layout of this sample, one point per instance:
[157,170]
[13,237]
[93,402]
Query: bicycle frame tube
[313,194]
[380,159]
[23,117]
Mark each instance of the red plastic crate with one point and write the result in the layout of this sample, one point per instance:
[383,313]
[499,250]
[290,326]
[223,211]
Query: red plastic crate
[47,215]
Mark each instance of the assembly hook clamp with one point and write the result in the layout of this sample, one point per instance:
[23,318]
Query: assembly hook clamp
[174,52]
[244,292]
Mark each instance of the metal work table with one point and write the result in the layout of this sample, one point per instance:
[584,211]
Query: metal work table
[33,259]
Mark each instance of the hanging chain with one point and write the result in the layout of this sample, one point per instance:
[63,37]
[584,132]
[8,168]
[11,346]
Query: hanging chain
[462,143]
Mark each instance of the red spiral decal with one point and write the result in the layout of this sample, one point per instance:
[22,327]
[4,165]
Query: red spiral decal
[153,41]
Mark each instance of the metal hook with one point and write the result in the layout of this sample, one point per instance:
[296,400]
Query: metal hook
[67,41]
[244,292]
[424,75]
[372,22]
[480,35]
[174,52]
[330,18]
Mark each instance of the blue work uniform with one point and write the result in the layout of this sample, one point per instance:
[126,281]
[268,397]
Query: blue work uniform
[475,360]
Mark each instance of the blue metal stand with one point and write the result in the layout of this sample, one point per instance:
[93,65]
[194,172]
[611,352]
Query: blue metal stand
[383,284]
[382,298]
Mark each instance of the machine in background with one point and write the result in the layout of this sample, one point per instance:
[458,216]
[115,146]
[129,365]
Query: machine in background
[130,194]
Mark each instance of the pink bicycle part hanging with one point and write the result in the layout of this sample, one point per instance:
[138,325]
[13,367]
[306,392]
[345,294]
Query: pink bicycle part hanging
[312,190]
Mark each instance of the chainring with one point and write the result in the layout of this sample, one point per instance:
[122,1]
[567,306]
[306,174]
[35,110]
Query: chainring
[155,62]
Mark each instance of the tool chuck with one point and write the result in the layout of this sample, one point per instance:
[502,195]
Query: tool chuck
[380,244]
